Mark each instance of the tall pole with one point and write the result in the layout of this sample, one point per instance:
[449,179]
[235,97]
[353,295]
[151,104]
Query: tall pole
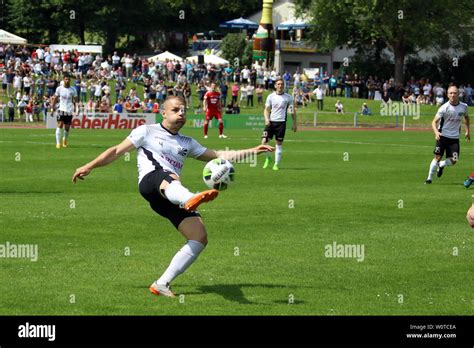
[264,41]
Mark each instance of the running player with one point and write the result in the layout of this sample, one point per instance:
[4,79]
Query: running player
[212,108]
[447,126]
[275,113]
[161,153]
[67,96]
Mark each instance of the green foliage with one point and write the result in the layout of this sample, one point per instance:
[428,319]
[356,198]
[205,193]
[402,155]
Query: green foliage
[404,26]
[46,21]
[233,48]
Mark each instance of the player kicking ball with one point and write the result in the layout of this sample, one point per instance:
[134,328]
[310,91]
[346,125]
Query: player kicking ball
[212,108]
[161,151]
[447,126]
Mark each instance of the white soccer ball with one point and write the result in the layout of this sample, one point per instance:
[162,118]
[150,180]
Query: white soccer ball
[218,174]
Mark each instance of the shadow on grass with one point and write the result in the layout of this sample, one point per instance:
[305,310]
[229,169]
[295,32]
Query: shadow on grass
[233,292]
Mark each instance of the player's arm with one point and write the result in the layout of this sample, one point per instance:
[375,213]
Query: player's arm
[233,155]
[468,130]
[293,114]
[53,102]
[266,114]
[106,157]
[204,104]
[434,125]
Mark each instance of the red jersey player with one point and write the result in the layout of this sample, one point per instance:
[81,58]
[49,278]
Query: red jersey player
[212,108]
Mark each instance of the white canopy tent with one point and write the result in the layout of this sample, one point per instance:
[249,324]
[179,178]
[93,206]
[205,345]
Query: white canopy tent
[9,38]
[162,57]
[209,59]
[79,48]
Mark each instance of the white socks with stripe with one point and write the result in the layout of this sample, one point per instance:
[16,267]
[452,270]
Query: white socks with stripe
[181,261]
[177,193]
[433,166]
[58,135]
[278,152]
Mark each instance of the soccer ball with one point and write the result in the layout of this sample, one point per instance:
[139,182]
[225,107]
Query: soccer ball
[218,174]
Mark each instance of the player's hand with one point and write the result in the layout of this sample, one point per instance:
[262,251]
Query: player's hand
[294,127]
[437,135]
[468,137]
[267,122]
[263,148]
[81,173]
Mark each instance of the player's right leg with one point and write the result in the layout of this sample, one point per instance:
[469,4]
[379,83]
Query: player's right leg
[58,133]
[438,154]
[266,136]
[452,156]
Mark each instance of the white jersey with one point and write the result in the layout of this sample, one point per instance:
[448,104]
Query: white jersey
[158,148]
[66,96]
[450,117]
[279,103]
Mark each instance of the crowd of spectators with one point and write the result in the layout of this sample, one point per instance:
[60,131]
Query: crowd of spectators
[30,76]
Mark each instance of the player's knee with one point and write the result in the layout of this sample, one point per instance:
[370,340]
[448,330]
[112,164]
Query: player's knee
[167,180]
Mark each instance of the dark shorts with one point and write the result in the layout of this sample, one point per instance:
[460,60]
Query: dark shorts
[451,146]
[64,117]
[276,129]
[150,190]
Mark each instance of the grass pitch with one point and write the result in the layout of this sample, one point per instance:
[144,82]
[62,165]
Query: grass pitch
[100,245]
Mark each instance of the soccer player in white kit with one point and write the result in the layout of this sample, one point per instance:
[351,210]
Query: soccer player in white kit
[447,126]
[275,113]
[161,153]
[68,98]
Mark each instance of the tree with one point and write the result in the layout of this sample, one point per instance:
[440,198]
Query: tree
[233,48]
[404,26]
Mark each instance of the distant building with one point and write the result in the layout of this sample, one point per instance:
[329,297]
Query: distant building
[292,50]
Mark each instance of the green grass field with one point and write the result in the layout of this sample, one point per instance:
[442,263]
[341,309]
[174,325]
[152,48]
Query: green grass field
[267,233]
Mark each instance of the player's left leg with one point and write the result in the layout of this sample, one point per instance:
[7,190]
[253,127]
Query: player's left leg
[279,136]
[278,153]
[67,127]
[192,228]
[452,156]
[206,127]
[221,126]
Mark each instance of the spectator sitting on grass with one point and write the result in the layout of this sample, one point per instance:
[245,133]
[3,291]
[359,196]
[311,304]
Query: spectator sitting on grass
[406,98]
[339,107]
[365,110]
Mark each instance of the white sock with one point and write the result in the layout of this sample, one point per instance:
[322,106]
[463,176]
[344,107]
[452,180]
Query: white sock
[446,163]
[278,152]
[181,261]
[66,134]
[433,166]
[177,193]
[58,135]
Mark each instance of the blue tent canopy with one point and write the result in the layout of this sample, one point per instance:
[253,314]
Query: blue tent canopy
[292,25]
[239,23]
